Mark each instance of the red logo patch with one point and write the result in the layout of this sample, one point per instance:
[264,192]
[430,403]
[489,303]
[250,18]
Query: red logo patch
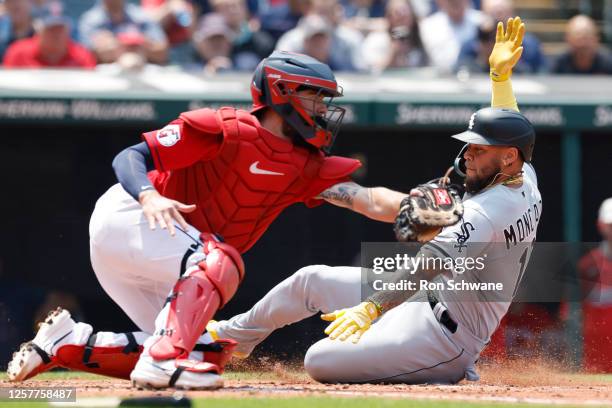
[442,197]
[169,135]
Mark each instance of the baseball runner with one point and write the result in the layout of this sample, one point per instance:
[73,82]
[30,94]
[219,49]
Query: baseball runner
[437,336]
[213,181]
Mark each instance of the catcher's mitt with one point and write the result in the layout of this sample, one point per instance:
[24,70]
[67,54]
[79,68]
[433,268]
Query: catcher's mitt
[427,209]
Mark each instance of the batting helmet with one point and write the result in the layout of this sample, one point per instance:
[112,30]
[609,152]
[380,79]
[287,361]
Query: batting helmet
[276,81]
[498,127]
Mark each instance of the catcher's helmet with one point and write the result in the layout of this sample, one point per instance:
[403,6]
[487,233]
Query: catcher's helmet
[499,127]
[276,81]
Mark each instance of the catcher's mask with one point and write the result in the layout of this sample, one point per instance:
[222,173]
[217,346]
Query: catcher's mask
[276,83]
[498,127]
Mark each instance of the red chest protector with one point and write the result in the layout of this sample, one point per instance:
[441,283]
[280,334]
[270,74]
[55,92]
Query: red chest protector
[253,177]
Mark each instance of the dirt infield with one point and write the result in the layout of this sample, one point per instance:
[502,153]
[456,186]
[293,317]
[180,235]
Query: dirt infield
[513,382]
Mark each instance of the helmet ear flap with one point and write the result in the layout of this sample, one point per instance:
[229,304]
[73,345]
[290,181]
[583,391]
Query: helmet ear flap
[459,164]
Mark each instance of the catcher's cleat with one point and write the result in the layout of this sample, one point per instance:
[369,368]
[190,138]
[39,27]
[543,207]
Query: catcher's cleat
[183,374]
[36,356]
[211,328]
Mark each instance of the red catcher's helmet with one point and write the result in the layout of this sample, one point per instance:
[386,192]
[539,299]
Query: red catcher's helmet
[276,81]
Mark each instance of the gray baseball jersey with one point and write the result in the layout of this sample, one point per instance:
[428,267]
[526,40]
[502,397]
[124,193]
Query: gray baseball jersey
[499,226]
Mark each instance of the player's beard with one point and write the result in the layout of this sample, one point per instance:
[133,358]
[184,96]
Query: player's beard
[295,136]
[475,184]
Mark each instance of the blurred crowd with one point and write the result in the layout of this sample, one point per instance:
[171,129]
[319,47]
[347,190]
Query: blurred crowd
[448,36]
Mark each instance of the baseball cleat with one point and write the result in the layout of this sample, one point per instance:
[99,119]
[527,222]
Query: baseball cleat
[35,357]
[212,329]
[183,374]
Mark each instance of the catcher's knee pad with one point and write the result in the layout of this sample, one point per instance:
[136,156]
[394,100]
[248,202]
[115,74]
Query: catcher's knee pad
[111,360]
[210,281]
[223,266]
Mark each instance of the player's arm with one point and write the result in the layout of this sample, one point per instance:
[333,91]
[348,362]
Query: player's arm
[378,203]
[505,55]
[131,166]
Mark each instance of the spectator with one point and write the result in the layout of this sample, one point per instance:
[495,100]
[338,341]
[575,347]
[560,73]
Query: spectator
[595,270]
[52,47]
[131,55]
[584,54]
[213,42]
[176,17]
[474,55]
[443,33]
[16,23]
[100,25]
[248,43]
[364,8]
[204,6]
[41,8]
[364,15]
[318,39]
[278,19]
[316,34]
[346,42]
[533,59]
[399,46]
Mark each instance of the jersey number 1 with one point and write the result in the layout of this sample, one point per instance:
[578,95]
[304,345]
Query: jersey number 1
[523,263]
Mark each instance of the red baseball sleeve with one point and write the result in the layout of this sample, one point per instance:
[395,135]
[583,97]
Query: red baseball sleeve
[179,145]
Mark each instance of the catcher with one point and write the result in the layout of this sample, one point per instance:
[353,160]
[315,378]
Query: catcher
[437,336]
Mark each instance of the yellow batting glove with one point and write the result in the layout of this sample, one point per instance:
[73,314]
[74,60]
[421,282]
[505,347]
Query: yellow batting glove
[351,322]
[507,50]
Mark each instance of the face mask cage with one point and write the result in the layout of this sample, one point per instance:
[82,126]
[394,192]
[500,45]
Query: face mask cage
[324,123]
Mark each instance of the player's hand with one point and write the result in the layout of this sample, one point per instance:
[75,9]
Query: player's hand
[161,210]
[507,50]
[351,322]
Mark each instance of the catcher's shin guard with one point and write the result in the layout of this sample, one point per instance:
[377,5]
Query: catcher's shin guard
[119,359]
[113,360]
[211,279]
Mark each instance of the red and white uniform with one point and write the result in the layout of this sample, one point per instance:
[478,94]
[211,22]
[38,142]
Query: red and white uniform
[238,174]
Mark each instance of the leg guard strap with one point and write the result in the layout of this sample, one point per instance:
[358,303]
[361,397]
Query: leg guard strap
[132,346]
[42,353]
[89,345]
[175,376]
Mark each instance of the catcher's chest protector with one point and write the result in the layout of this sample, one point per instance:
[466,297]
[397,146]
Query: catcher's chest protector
[248,183]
